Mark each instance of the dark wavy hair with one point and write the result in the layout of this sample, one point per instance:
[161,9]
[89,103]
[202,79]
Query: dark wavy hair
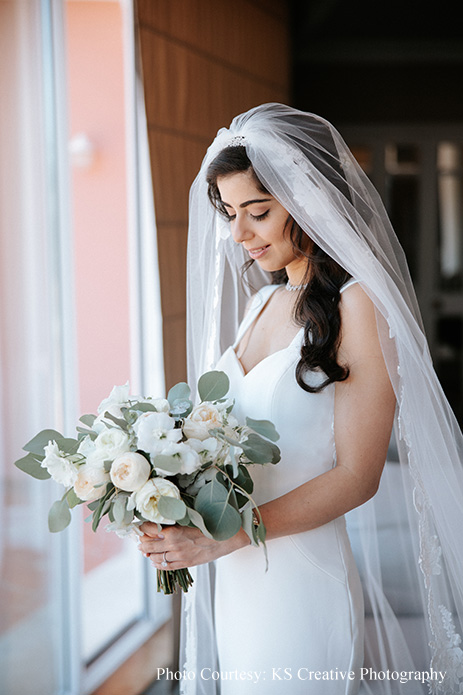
[317,307]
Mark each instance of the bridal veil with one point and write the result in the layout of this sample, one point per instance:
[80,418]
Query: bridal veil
[407,540]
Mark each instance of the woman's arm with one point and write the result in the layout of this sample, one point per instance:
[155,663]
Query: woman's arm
[364,411]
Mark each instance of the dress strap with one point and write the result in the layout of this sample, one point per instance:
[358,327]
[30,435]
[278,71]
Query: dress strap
[258,302]
[347,284]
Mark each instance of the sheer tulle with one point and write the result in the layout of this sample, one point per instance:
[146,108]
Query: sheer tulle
[418,514]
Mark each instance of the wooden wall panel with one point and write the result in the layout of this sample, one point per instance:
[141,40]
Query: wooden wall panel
[241,33]
[203,63]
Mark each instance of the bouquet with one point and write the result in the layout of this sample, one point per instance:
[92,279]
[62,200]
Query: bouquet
[159,460]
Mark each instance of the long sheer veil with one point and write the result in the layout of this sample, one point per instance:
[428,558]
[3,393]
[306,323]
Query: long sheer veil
[407,540]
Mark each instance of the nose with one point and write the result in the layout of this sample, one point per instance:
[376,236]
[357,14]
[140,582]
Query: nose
[240,231]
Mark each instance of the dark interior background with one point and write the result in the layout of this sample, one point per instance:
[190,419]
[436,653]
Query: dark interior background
[364,62]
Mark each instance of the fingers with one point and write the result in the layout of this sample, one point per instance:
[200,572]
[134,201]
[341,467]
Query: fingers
[149,545]
[150,529]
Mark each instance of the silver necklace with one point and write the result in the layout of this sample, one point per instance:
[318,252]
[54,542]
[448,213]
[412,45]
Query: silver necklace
[294,288]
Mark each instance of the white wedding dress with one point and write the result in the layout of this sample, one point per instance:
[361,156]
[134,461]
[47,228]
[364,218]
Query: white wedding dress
[297,628]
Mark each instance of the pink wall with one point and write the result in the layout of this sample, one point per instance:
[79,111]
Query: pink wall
[96,108]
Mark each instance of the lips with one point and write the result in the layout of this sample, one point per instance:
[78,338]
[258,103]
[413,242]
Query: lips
[258,252]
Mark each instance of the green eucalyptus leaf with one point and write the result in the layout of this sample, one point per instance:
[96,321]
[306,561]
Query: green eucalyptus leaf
[264,428]
[181,408]
[67,445]
[72,499]
[171,508]
[247,522]
[30,465]
[59,516]
[118,508]
[143,407]
[172,464]
[221,519]
[88,420]
[122,424]
[86,433]
[212,386]
[198,521]
[185,520]
[260,450]
[179,392]
[41,440]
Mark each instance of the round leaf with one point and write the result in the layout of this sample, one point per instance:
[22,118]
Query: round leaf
[171,508]
[179,392]
[170,464]
[59,516]
[264,428]
[30,465]
[212,386]
[37,443]
[220,518]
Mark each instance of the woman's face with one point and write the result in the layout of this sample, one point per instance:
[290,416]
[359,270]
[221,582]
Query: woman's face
[258,222]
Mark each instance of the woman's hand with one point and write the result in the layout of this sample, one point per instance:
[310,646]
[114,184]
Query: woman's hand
[184,546]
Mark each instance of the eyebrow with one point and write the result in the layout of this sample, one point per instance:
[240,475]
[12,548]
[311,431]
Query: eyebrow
[249,202]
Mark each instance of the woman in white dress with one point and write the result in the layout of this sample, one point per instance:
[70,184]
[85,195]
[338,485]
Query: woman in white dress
[323,352]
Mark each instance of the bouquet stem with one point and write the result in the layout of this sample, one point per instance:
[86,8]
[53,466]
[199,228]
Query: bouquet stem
[168,581]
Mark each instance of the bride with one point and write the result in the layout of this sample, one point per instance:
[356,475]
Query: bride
[331,349]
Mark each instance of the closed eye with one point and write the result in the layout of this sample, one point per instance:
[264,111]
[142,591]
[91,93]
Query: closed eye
[258,218]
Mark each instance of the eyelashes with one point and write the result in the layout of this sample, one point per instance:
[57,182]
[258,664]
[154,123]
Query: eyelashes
[257,218]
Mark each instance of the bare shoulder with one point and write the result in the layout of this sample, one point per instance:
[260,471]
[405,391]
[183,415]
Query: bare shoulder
[359,331]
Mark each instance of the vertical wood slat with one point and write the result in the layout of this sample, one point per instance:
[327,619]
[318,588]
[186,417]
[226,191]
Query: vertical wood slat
[203,63]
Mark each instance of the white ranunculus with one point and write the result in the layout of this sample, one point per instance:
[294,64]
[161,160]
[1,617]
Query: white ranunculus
[118,396]
[125,530]
[96,459]
[147,498]
[87,478]
[130,471]
[208,449]
[86,447]
[203,418]
[154,430]
[61,468]
[111,443]
[190,459]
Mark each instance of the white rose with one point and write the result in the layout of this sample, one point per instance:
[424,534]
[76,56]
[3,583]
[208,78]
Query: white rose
[190,459]
[154,430]
[130,471]
[111,443]
[87,478]
[146,499]
[60,467]
[203,417]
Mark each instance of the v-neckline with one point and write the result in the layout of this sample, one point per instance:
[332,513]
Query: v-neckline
[267,357]
[251,322]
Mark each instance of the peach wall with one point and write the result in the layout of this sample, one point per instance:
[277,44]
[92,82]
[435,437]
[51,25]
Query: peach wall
[96,105]
[96,108]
